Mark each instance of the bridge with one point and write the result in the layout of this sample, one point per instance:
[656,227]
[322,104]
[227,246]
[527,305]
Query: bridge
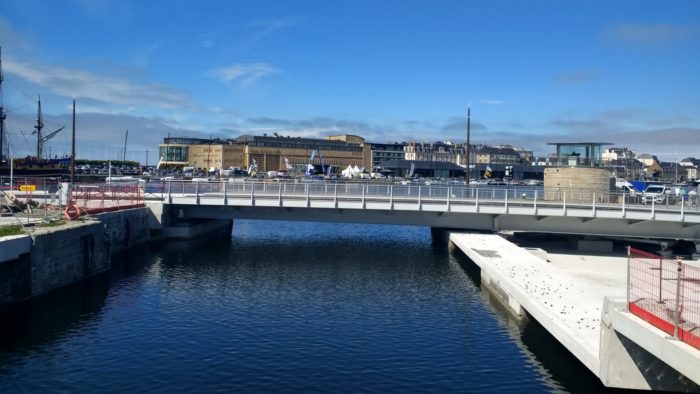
[483,208]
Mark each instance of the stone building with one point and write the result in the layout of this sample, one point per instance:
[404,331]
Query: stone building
[267,153]
[578,175]
[497,155]
[445,152]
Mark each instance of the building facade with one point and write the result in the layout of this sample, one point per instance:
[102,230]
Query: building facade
[497,155]
[264,153]
[444,152]
[381,153]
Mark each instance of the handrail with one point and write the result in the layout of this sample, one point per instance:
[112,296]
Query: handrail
[540,200]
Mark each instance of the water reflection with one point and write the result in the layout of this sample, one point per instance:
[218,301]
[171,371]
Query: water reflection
[282,307]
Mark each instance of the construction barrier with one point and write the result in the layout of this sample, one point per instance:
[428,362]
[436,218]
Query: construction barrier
[666,293]
[93,199]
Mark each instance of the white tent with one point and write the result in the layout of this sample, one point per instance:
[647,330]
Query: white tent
[348,172]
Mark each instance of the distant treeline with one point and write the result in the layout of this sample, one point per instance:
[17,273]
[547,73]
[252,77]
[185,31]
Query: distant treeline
[82,162]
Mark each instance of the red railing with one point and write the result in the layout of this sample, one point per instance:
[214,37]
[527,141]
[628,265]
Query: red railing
[93,199]
[666,293]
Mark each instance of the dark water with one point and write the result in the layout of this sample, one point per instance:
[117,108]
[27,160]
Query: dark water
[282,307]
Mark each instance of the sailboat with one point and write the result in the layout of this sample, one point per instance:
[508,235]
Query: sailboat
[30,165]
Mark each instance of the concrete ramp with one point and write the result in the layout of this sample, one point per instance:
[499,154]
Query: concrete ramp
[568,308]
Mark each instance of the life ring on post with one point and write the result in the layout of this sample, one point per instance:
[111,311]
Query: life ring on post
[72,212]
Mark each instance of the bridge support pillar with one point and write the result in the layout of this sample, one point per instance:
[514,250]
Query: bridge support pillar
[168,222]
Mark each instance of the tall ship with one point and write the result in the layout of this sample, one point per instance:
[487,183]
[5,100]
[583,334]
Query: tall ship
[30,165]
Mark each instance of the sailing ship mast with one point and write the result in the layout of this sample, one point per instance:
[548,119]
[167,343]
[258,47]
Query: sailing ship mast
[39,139]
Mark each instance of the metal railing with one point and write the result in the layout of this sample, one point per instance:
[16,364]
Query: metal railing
[97,198]
[533,197]
[666,293]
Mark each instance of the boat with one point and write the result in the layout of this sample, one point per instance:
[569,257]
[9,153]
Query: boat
[38,165]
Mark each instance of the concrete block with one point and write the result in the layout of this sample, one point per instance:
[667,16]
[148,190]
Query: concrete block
[11,247]
[542,254]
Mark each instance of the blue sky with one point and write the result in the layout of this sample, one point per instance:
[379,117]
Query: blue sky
[624,72]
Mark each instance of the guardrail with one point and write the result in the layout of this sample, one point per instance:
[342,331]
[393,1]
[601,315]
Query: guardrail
[666,293]
[533,197]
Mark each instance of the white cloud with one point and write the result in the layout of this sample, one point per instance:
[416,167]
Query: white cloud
[264,28]
[648,34]
[245,73]
[83,84]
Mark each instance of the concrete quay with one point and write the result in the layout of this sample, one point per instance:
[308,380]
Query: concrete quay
[576,298]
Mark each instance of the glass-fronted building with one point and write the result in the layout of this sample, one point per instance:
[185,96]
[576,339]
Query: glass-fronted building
[579,154]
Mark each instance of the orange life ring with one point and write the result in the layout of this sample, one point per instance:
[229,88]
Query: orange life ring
[72,212]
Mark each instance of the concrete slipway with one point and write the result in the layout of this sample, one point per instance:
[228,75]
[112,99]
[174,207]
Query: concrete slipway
[565,293]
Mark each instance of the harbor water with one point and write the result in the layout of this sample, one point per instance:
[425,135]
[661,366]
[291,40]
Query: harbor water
[283,307]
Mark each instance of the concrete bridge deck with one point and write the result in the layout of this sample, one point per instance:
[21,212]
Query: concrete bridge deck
[522,209]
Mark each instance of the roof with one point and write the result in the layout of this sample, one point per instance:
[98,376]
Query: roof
[422,165]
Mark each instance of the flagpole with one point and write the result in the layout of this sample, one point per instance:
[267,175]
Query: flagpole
[468,142]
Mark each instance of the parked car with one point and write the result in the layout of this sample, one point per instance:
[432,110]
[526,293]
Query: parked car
[656,193]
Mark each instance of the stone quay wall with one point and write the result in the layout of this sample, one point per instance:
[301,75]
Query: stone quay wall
[65,254]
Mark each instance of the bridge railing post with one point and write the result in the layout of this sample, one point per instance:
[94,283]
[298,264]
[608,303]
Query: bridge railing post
[623,205]
[391,197]
[534,204]
[505,201]
[196,193]
[420,207]
[252,195]
[653,203]
[363,196]
[476,200]
[594,204]
[225,194]
[170,194]
[308,196]
[449,193]
[279,192]
[564,204]
[682,207]
[335,196]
